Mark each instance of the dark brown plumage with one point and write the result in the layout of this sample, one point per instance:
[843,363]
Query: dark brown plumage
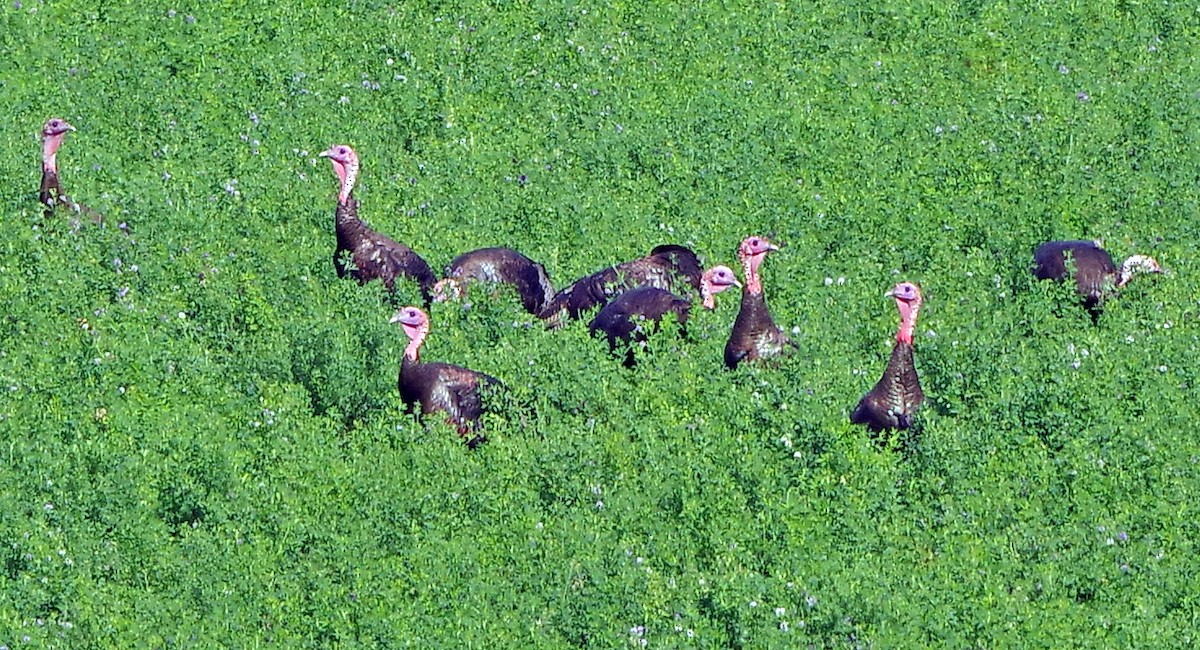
[498,266]
[1096,277]
[897,394]
[371,255]
[755,334]
[51,194]
[627,317]
[440,387]
[669,267]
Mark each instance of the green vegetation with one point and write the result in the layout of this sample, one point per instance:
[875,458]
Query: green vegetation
[201,443]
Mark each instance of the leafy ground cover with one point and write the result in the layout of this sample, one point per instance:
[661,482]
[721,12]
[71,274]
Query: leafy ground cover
[202,441]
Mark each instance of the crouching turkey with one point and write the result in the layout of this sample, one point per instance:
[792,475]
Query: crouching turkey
[897,396]
[1096,277]
[669,267]
[459,393]
[628,317]
[497,266]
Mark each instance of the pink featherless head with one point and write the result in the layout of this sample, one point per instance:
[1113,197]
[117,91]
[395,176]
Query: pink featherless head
[714,281]
[53,132]
[416,325]
[755,245]
[908,303]
[345,165]
[447,289]
[410,317]
[56,126]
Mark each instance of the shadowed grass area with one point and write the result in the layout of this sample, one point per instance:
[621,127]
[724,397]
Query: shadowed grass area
[201,440]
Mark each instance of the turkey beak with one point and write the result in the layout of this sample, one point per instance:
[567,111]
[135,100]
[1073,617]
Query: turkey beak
[325,154]
[890,294]
[396,318]
[736,284]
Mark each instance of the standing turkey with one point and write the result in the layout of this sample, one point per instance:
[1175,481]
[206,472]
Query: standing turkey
[373,256]
[498,266]
[1096,277]
[897,395]
[51,194]
[669,267]
[622,320]
[440,387]
[755,334]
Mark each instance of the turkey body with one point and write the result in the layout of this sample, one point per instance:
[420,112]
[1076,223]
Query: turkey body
[505,266]
[755,334]
[1095,273]
[631,316]
[366,255]
[446,388]
[669,267]
[895,397]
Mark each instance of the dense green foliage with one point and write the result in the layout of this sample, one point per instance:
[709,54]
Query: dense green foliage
[202,443]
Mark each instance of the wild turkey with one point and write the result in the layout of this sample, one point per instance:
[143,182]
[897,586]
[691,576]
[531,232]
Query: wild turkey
[1096,277]
[755,334]
[897,395]
[621,320]
[440,387]
[501,266]
[373,256]
[51,193]
[669,267]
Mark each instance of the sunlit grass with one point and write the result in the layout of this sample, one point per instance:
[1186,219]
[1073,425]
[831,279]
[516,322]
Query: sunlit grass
[203,443]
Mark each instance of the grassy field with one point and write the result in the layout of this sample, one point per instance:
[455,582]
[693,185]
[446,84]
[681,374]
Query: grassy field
[201,441]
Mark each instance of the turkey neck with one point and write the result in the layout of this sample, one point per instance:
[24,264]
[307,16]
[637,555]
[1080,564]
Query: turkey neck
[908,319]
[50,152]
[348,175]
[416,336]
[750,268]
[706,294]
